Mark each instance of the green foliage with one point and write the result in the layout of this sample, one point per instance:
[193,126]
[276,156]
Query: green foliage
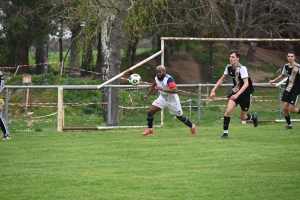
[141,17]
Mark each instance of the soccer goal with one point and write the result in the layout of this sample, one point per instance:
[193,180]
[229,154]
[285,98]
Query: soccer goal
[266,62]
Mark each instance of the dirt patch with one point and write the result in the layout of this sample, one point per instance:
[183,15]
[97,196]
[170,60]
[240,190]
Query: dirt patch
[185,68]
[258,76]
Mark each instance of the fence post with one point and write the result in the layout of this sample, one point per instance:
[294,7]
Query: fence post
[109,107]
[6,104]
[199,104]
[60,109]
[279,100]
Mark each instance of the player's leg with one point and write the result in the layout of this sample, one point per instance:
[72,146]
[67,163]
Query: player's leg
[4,128]
[286,112]
[292,105]
[286,99]
[176,109]
[188,123]
[156,106]
[245,102]
[230,107]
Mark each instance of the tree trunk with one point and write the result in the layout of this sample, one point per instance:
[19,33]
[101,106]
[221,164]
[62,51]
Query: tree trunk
[87,57]
[23,59]
[105,33]
[211,67]
[74,39]
[116,44]
[129,55]
[99,61]
[41,56]
[251,52]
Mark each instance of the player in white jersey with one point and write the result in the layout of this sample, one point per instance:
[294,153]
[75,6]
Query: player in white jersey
[3,123]
[291,93]
[168,98]
[241,92]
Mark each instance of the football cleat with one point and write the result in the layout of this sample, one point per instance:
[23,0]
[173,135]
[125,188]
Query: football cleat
[224,136]
[193,130]
[255,120]
[6,137]
[147,131]
[288,127]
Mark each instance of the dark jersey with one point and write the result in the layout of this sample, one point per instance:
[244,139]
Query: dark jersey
[238,75]
[1,82]
[293,82]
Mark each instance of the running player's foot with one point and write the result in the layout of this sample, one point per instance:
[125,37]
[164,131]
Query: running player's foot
[147,131]
[224,136]
[193,130]
[6,137]
[255,120]
[288,127]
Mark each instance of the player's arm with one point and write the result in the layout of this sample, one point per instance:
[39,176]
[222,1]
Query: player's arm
[172,89]
[152,88]
[213,91]
[1,82]
[280,77]
[244,87]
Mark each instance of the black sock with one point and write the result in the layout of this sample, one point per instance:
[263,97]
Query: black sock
[150,121]
[187,122]
[226,123]
[288,119]
[250,116]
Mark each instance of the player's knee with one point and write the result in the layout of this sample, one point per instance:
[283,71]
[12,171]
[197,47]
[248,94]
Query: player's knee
[228,112]
[181,118]
[292,110]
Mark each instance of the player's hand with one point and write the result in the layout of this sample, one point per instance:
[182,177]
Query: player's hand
[271,81]
[234,97]
[145,97]
[212,95]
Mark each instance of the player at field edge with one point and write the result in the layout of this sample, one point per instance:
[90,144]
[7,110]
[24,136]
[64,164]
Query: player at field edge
[241,93]
[291,93]
[3,124]
[168,97]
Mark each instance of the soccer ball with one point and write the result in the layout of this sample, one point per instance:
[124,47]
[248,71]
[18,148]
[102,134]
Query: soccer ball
[135,79]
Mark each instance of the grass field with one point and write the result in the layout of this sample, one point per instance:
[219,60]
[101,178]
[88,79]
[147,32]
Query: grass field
[253,163]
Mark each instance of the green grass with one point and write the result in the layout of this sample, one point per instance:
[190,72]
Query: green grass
[253,163]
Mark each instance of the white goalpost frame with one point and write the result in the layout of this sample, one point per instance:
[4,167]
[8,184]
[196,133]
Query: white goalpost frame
[161,52]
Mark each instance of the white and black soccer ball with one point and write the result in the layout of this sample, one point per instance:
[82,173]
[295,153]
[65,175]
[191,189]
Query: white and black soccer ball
[135,79]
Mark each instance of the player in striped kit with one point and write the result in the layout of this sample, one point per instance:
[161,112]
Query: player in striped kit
[168,98]
[291,93]
[3,123]
[241,92]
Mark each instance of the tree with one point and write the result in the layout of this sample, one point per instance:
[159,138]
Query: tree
[140,18]
[23,26]
[109,16]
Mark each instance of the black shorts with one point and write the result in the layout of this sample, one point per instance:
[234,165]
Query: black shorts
[290,97]
[243,100]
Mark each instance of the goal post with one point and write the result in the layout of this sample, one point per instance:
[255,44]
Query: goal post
[162,52]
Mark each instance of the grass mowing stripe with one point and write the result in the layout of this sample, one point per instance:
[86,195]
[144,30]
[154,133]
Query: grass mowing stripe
[253,163]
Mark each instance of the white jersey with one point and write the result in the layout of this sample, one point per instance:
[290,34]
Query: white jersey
[169,100]
[170,97]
